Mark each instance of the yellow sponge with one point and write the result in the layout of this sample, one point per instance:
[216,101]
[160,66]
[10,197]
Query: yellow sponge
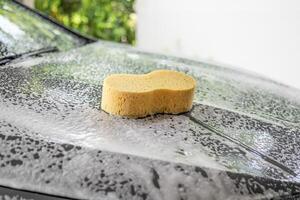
[161,91]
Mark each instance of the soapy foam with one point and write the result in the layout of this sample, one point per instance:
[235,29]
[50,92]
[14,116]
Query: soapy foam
[91,128]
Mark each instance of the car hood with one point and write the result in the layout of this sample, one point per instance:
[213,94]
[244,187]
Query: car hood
[240,140]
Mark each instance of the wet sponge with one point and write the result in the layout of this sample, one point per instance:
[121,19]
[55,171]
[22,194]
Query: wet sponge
[161,91]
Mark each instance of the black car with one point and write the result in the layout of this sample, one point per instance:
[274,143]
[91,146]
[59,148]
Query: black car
[241,140]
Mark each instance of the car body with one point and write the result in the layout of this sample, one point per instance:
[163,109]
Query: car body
[239,141]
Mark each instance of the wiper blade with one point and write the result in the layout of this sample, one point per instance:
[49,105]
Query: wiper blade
[26,194]
[10,58]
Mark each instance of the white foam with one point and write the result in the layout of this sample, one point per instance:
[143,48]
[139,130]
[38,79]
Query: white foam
[95,129]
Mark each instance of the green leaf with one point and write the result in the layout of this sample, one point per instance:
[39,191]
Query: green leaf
[105,19]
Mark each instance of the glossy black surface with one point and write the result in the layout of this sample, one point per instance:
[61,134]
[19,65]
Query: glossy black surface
[22,31]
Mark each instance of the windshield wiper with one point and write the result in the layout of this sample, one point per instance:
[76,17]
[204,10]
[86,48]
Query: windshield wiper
[10,58]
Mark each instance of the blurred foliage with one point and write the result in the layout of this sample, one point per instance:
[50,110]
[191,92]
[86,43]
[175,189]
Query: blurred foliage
[105,19]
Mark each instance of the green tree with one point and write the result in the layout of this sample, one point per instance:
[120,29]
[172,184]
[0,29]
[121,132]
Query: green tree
[105,19]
